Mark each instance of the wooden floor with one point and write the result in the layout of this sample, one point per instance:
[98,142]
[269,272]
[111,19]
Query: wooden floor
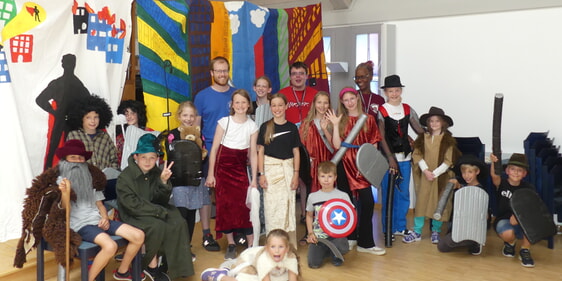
[417,261]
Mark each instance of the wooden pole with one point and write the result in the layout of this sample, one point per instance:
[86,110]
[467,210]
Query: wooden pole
[66,203]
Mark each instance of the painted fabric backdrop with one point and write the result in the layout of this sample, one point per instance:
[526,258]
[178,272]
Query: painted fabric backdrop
[49,45]
[256,40]
[52,52]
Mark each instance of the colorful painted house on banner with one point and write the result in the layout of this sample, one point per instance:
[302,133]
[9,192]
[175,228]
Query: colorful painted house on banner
[4,72]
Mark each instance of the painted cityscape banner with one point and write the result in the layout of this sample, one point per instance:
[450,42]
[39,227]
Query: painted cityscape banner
[51,53]
[54,52]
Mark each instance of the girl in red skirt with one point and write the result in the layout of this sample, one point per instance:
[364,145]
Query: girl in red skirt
[234,137]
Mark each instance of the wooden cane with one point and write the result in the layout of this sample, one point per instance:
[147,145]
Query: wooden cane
[66,203]
[389,208]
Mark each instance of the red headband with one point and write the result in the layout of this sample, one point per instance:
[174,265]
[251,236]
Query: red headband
[347,90]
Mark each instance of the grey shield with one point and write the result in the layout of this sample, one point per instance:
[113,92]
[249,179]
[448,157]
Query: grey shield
[371,163]
[470,213]
[532,214]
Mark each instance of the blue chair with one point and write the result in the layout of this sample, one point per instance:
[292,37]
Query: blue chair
[540,159]
[532,155]
[86,251]
[532,138]
[548,179]
[552,193]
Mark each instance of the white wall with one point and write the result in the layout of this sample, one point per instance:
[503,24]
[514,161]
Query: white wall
[459,63]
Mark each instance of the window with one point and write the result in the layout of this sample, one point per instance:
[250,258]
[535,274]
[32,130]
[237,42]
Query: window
[367,49]
[327,41]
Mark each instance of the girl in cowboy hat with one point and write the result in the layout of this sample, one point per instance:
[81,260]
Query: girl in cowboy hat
[434,152]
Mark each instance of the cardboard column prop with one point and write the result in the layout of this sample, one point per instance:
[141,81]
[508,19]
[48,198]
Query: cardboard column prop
[497,130]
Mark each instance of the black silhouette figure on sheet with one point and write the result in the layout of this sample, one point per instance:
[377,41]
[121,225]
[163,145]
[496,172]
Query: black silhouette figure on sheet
[36,14]
[56,99]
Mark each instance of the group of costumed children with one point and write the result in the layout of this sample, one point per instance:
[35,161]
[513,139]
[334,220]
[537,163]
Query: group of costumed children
[272,147]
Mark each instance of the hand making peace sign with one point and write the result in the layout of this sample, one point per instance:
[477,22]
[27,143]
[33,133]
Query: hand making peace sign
[166,172]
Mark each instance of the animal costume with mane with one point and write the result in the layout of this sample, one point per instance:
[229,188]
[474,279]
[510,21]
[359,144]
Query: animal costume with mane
[44,217]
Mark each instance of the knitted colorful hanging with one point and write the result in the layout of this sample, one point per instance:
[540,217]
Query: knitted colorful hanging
[163,58]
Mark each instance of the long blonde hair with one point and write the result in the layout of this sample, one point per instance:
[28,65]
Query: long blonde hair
[305,125]
[345,113]
[270,125]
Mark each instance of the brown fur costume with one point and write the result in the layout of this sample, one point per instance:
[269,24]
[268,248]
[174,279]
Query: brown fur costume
[42,216]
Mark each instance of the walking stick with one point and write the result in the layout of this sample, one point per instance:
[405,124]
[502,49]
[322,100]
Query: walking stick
[389,207]
[66,203]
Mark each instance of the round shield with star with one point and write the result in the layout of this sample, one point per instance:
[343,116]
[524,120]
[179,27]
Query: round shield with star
[337,218]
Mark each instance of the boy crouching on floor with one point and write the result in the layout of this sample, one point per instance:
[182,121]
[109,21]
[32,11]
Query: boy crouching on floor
[317,252]
[506,224]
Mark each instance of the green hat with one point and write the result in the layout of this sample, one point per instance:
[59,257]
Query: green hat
[148,143]
[518,159]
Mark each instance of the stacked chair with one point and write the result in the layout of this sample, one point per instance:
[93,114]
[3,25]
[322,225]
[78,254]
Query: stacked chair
[545,172]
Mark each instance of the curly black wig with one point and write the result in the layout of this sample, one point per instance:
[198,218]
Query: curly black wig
[82,107]
[137,107]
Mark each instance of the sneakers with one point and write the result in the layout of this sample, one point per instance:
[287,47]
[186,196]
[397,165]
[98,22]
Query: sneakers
[351,243]
[508,250]
[230,252]
[404,232]
[337,261]
[210,244]
[526,259]
[193,257]
[475,249]
[412,237]
[126,276]
[213,274]
[434,237]
[156,274]
[373,250]
[240,239]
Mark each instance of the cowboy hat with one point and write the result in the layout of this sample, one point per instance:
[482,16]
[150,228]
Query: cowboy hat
[435,111]
[519,160]
[471,159]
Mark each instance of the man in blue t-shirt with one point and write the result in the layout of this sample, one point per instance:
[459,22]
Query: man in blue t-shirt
[212,103]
